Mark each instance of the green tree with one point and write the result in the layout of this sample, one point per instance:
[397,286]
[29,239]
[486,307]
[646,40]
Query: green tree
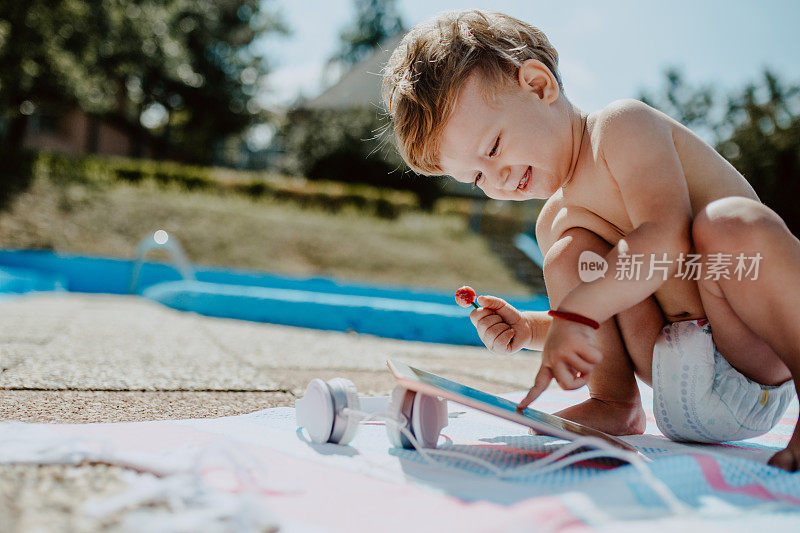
[376,21]
[764,143]
[756,128]
[183,71]
[348,145]
[693,107]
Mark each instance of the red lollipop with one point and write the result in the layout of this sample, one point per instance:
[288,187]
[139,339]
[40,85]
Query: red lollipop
[465,296]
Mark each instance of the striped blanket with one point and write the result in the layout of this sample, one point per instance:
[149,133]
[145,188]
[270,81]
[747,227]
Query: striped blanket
[262,467]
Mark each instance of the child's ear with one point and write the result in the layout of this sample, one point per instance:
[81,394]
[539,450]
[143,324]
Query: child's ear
[535,77]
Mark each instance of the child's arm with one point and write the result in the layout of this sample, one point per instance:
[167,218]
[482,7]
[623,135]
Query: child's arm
[638,149]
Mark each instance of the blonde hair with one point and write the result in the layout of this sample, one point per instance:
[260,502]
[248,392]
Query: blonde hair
[423,75]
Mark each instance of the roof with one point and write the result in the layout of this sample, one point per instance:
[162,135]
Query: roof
[361,85]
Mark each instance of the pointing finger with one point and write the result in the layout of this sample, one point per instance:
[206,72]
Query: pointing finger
[540,384]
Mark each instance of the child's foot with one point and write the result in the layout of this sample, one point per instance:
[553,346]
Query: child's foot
[788,459]
[613,418]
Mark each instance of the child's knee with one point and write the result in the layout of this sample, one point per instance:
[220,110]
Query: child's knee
[561,262]
[734,223]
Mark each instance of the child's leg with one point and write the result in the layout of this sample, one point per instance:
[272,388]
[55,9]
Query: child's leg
[755,321]
[615,406]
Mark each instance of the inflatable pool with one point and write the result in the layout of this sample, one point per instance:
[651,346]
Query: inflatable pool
[321,303]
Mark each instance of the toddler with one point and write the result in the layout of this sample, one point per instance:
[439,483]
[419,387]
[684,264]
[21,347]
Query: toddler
[660,260]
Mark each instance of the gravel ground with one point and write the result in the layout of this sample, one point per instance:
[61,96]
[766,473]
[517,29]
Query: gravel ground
[71,358]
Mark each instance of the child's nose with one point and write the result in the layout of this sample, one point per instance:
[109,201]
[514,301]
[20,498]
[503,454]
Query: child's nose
[506,178]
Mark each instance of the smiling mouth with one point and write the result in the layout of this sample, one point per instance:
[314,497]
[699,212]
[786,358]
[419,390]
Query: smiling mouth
[526,178]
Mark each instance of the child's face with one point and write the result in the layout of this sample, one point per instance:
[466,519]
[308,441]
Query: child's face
[518,146]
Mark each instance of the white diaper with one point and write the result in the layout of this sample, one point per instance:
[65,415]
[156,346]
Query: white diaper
[698,396]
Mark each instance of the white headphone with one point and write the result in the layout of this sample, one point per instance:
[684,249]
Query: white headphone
[331,410]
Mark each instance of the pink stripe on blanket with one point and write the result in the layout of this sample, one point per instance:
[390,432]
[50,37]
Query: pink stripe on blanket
[713,474]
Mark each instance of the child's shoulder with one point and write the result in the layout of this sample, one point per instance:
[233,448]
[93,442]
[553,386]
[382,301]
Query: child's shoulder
[626,124]
[628,135]
[626,120]
[632,144]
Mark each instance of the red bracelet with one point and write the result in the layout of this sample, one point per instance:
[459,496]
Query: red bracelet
[574,317]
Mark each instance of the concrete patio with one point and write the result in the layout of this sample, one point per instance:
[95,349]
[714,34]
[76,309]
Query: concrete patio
[74,358]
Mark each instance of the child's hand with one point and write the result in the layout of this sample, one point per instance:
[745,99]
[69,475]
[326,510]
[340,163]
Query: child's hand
[569,355]
[502,328]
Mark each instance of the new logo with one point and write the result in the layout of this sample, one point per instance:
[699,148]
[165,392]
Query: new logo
[591,266]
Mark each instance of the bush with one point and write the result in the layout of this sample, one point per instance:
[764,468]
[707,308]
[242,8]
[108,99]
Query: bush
[349,146]
[103,170]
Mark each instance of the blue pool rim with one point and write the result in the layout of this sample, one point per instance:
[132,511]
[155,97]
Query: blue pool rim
[321,303]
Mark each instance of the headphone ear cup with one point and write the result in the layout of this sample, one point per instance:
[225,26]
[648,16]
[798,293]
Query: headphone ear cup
[344,395]
[428,418]
[315,411]
[400,407]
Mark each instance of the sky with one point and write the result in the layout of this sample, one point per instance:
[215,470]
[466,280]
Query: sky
[608,50]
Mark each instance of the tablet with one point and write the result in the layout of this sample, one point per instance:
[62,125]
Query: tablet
[433,385]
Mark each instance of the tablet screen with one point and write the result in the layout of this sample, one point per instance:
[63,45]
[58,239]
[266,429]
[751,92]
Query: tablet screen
[477,399]
[490,399]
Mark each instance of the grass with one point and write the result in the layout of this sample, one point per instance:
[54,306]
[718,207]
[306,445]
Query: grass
[416,249]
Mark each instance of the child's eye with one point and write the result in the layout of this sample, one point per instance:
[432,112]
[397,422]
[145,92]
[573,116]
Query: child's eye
[494,148]
[477,179]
